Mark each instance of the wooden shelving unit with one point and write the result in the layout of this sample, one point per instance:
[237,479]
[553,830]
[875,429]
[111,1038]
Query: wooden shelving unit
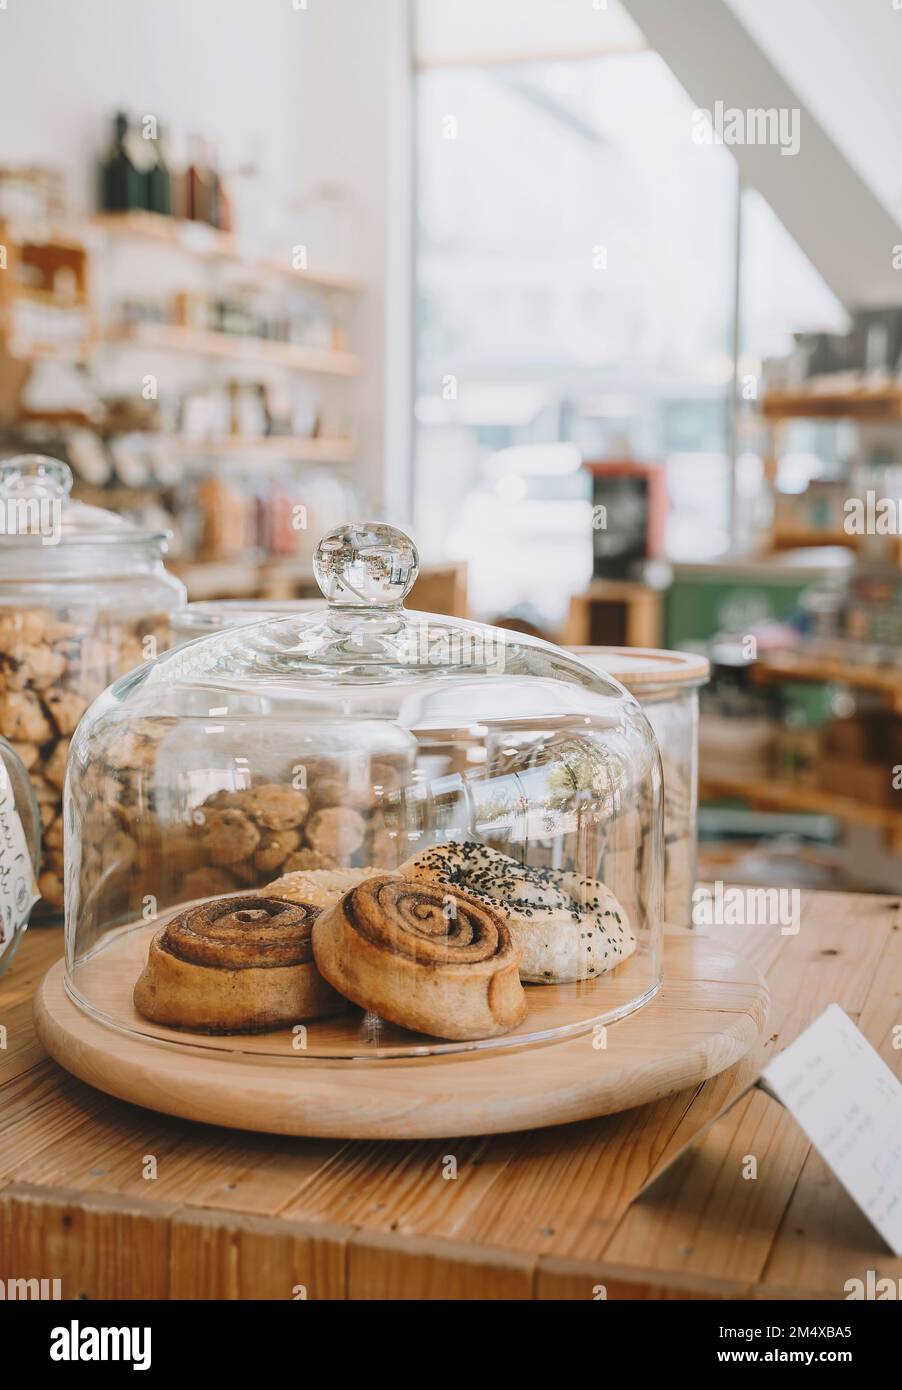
[870,402]
[796,666]
[799,538]
[770,794]
[217,265]
[260,351]
[775,795]
[33,275]
[826,399]
[198,240]
[270,446]
[72,249]
[840,398]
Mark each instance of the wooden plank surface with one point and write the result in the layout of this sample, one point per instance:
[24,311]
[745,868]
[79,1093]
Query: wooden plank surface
[546,1214]
[218,1256]
[97,1245]
[705,1217]
[823,1238]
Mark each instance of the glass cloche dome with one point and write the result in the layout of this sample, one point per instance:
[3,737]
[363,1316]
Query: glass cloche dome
[363,832]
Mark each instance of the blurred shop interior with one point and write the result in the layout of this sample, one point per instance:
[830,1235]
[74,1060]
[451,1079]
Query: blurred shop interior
[274,267]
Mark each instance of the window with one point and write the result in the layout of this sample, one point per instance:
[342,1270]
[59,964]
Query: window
[576,283]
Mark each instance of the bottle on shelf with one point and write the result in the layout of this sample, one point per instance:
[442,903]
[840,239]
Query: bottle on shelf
[214,211]
[197,183]
[121,181]
[139,148]
[158,179]
[226,218]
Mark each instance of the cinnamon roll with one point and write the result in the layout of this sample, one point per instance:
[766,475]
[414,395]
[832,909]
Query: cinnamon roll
[428,958]
[235,965]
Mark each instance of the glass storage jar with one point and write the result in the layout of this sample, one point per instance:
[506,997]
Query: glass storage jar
[20,846]
[84,598]
[666,684]
[363,827]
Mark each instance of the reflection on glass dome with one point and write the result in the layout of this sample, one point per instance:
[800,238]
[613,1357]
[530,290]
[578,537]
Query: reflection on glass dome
[471,820]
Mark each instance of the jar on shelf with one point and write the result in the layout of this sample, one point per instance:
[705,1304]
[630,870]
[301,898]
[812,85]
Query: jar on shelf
[20,847]
[398,832]
[84,598]
[666,684]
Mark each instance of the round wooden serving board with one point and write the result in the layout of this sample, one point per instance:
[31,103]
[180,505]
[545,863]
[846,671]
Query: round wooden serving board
[710,1011]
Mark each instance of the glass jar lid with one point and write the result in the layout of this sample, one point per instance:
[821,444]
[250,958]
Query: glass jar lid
[51,532]
[364,657]
[363,638]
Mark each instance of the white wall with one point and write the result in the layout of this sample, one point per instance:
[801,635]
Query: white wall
[319,90]
[222,67]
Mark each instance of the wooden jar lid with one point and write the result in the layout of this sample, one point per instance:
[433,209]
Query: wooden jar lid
[647,669]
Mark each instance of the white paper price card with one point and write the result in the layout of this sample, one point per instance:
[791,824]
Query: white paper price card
[849,1103]
[18,892]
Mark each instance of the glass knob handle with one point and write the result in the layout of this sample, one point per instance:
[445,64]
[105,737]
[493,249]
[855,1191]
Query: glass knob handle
[366,565]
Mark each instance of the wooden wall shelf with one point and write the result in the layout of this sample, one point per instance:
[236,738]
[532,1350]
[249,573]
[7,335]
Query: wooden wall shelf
[773,795]
[270,446]
[198,240]
[800,538]
[854,403]
[259,351]
[795,666]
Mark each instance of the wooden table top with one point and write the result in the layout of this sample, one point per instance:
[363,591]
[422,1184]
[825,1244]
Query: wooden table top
[547,1215]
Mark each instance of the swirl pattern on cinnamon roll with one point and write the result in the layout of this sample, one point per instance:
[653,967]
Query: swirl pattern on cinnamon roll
[429,958]
[235,965]
[242,932]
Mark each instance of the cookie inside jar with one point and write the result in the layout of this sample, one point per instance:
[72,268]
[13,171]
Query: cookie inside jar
[309,812]
[466,825]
